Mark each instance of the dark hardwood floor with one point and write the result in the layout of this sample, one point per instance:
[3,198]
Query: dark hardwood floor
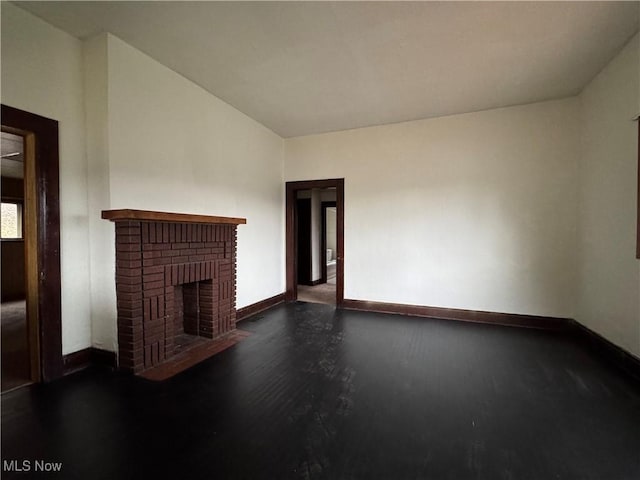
[14,345]
[319,393]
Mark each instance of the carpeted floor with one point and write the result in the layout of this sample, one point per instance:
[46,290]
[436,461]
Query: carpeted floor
[323,293]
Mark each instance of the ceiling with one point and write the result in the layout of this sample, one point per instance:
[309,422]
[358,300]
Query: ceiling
[12,153]
[309,67]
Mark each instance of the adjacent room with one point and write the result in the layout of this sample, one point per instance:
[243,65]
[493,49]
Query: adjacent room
[316,242]
[320,240]
[16,360]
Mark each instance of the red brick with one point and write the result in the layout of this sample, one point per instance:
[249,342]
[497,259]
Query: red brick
[155,246]
[127,247]
[129,280]
[171,254]
[153,277]
[127,230]
[128,256]
[145,233]
[154,311]
[126,288]
[132,311]
[129,329]
[127,239]
[154,285]
[165,233]
[158,226]
[153,292]
[153,269]
[147,309]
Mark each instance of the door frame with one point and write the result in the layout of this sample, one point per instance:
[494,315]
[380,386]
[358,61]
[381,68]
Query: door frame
[291,293]
[42,238]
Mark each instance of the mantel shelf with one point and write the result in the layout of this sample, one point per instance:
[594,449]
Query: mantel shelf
[127,215]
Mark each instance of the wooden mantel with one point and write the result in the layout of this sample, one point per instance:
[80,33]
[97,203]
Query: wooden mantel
[151,216]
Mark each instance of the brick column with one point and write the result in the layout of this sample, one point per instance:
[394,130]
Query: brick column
[129,296]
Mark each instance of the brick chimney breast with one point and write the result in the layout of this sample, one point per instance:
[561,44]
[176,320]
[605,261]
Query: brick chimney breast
[175,283]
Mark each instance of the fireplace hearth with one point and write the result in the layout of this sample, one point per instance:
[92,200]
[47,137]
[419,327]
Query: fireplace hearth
[175,283]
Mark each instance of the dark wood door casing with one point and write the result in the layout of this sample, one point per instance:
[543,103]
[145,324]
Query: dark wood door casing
[292,188]
[41,135]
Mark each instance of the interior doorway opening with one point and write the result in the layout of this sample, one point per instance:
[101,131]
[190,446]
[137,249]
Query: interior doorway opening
[17,346]
[315,241]
[316,238]
[31,303]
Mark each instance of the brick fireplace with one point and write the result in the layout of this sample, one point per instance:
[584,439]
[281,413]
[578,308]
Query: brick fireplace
[175,283]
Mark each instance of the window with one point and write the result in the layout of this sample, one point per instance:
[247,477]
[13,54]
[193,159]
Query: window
[11,220]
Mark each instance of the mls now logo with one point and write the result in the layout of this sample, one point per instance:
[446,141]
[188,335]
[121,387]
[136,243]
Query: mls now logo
[29,466]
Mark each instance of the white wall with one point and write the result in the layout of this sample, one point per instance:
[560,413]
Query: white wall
[42,72]
[329,195]
[474,211]
[174,147]
[102,234]
[152,140]
[316,235]
[609,274]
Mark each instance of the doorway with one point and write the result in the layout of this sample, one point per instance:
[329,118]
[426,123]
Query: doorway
[316,245]
[30,243]
[309,205]
[14,328]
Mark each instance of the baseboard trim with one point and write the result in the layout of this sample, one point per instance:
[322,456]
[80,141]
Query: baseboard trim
[495,318]
[86,357]
[610,351]
[250,310]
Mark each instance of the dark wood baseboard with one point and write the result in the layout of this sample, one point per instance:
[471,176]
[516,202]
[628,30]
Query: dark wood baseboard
[104,358]
[89,356]
[609,351]
[509,319]
[249,310]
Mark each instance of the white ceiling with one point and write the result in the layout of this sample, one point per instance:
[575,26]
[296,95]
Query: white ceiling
[310,67]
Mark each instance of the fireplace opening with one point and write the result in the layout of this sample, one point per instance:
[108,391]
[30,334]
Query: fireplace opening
[187,316]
